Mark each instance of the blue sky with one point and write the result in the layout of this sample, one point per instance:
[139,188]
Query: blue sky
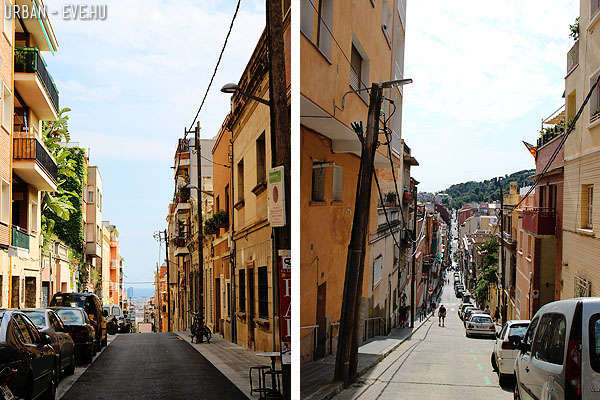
[485,74]
[133,83]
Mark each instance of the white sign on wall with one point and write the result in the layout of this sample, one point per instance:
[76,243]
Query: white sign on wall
[276,196]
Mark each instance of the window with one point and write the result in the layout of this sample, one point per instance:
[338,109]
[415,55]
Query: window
[227,205]
[595,342]
[229,299]
[587,200]
[242,290]
[377,269]
[90,196]
[307,17]
[217,204]
[22,331]
[552,190]
[90,232]
[529,245]
[324,26]
[240,176]
[263,293]
[542,196]
[386,21]
[594,99]
[318,182]
[594,6]
[549,344]
[531,333]
[4,201]
[8,20]
[356,62]
[6,107]
[338,183]
[261,168]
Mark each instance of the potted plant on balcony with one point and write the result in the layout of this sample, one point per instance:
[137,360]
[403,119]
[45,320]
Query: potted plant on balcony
[221,219]
[574,30]
[390,199]
[210,227]
[183,194]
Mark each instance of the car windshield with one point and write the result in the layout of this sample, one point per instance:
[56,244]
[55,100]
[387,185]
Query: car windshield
[70,317]
[37,317]
[518,330]
[107,309]
[480,319]
[69,300]
[116,311]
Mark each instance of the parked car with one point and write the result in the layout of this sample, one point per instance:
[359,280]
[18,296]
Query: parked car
[28,352]
[459,293]
[462,308]
[92,306]
[46,321]
[560,354]
[6,375]
[115,321]
[504,353]
[468,312]
[480,324]
[77,323]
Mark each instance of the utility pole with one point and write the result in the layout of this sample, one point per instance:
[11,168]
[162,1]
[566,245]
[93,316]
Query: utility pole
[502,299]
[280,154]
[168,281]
[198,148]
[347,351]
[414,258]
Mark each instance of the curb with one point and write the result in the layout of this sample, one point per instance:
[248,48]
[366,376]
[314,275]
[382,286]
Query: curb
[330,390]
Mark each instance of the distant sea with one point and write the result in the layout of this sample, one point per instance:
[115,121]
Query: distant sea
[141,292]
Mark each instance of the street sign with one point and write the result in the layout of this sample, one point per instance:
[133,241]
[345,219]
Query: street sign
[276,197]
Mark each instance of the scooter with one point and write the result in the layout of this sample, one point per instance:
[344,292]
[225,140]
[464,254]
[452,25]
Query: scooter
[5,376]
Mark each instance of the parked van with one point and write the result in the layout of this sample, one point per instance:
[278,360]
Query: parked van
[560,354]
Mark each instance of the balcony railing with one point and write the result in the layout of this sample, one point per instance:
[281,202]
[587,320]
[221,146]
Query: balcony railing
[30,148]
[539,220]
[29,60]
[573,58]
[20,239]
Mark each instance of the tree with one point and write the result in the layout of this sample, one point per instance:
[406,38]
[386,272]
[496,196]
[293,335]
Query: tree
[489,268]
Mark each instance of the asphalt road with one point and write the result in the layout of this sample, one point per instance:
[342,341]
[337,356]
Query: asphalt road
[436,363]
[152,366]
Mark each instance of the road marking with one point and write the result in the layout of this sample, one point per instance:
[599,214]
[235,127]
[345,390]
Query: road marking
[487,380]
[471,350]
[474,357]
[480,367]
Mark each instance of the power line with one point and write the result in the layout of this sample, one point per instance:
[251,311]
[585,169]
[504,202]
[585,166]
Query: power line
[385,211]
[562,142]
[216,67]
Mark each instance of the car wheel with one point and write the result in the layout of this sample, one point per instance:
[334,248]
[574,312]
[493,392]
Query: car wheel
[494,364]
[467,334]
[50,393]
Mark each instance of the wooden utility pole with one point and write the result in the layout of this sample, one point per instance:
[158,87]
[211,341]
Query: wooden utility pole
[200,272]
[347,351]
[502,298]
[414,259]
[280,155]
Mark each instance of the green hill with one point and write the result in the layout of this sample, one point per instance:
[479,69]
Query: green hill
[488,190]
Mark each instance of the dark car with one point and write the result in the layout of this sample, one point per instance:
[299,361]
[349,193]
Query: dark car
[78,325]
[46,321]
[24,349]
[92,306]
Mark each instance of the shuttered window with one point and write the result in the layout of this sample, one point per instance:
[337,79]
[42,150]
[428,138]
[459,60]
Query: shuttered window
[263,293]
[377,269]
[242,290]
[356,68]
[318,182]
[338,183]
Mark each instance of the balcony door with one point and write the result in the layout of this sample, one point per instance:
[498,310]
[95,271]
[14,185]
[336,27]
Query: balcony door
[19,206]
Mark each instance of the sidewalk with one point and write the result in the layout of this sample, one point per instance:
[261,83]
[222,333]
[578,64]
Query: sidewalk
[316,377]
[231,359]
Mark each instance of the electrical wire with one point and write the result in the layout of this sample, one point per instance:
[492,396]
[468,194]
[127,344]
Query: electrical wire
[562,142]
[237,7]
[387,219]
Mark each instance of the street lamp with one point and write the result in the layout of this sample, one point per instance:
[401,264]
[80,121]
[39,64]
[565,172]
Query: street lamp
[232,88]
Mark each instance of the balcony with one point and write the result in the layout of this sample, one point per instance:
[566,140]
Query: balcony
[573,58]
[34,83]
[34,164]
[179,241]
[539,220]
[40,29]
[19,239]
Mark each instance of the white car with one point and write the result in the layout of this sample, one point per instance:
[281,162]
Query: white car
[480,324]
[504,353]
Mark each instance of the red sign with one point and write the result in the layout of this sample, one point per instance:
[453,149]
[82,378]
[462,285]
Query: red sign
[285,296]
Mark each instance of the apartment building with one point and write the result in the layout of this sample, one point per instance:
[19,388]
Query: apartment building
[30,96]
[343,50]
[93,230]
[581,212]
[114,277]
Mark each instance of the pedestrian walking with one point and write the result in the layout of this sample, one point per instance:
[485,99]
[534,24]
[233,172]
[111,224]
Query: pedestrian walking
[487,309]
[442,315]
[497,314]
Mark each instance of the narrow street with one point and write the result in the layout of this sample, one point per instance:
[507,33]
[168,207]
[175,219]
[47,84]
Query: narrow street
[152,366]
[436,363]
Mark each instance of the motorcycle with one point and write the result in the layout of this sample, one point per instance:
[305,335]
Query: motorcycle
[5,376]
[112,326]
[199,330]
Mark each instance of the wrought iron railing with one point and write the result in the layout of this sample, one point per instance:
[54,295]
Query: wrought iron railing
[19,239]
[29,60]
[573,57]
[30,148]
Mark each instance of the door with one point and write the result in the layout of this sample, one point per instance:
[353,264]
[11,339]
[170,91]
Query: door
[14,295]
[523,364]
[251,307]
[548,356]
[321,321]
[217,304]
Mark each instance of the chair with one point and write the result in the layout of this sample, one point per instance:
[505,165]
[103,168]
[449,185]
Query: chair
[260,371]
[274,378]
